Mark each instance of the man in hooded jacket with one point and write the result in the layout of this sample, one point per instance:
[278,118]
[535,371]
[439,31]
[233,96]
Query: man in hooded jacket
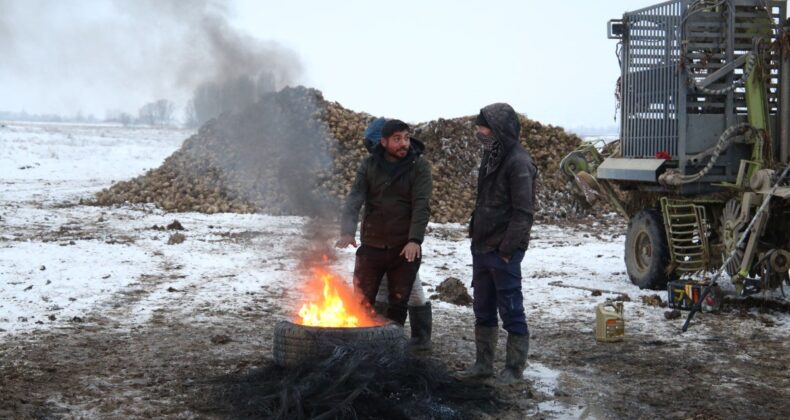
[394,183]
[500,230]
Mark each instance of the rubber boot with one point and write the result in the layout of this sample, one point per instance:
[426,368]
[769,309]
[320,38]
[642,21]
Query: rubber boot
[381,308]
[421,320]
[515,360]
[485,343]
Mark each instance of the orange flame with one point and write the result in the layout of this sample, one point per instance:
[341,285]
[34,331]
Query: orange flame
[332,304]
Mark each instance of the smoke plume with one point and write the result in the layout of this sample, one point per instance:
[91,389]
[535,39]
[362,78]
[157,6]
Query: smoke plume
[122,54]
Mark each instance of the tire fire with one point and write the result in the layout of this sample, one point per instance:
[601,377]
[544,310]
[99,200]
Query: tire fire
[331,303]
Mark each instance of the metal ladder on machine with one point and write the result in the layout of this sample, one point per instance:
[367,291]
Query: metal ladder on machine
[685,225]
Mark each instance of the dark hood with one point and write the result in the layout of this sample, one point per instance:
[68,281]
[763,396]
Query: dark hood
[504,122]
[373,133]
[416,147]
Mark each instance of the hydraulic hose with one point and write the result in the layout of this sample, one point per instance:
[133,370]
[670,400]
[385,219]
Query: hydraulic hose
[748,68]
[675,179]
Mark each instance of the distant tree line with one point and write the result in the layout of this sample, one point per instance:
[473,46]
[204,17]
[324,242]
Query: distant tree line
[209,100]
[25,116]
[159,113]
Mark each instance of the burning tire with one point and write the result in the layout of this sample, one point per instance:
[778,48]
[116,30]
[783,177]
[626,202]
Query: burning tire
[295,344]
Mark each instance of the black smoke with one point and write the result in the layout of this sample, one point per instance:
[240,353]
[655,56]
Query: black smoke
[65,57]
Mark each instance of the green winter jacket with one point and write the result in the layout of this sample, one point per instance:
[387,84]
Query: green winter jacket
[397,202]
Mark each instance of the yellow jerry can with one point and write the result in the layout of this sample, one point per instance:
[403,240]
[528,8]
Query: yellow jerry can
[609,321]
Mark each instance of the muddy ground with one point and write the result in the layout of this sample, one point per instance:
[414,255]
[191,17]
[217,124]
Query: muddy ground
[97,365]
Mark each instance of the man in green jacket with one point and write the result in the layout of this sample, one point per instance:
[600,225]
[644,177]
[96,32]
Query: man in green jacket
[394,182]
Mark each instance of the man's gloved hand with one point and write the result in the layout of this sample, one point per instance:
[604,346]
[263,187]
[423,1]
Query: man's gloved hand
[411,251]
[505,258]
[345,241]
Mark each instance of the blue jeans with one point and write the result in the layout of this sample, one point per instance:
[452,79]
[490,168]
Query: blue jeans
[497,285]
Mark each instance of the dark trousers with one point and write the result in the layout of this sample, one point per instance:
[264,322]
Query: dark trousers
[497,285]
[372,264]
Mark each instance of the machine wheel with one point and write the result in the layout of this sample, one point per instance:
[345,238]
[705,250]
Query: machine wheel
[730,230]
[646,251]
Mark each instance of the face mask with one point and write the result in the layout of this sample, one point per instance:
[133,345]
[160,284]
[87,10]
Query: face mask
[487,141]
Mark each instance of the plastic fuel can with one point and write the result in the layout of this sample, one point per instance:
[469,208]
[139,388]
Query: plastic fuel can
[609,322]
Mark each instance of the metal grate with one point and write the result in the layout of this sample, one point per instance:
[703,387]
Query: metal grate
[686,226]
[665,45]
[717,36]
[650,80]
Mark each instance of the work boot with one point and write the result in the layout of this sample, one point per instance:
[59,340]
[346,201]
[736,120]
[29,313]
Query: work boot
[485,343]
[381,308]
[515,361]
[421,319]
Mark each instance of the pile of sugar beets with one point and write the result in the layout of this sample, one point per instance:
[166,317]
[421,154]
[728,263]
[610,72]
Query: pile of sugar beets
[294,153]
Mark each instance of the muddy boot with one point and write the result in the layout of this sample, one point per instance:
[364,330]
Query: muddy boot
[515,361]
[381,308]
[421,320]
[485,342]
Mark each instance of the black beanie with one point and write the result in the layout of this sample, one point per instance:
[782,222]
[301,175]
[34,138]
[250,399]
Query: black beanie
[481,120]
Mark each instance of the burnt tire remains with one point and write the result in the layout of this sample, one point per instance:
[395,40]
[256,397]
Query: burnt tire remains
[295,344]
[646,251]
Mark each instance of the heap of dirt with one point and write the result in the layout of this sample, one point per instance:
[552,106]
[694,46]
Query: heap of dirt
[295,153]
[453,291]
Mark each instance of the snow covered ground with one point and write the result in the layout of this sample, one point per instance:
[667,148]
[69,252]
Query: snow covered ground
[63,263]
[61,260]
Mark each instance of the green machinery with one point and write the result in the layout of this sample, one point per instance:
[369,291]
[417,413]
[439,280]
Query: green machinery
[704,97]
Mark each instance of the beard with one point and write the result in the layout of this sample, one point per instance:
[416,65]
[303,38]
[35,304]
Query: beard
[399,153]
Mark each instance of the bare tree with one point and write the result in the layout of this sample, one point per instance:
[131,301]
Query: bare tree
[164,111]
[207,102]
[190,115]
[125,118]
[118,116]
[157,113]
[147,114]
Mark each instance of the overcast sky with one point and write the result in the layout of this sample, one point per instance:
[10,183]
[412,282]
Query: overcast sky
[422,60]
[415,60]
